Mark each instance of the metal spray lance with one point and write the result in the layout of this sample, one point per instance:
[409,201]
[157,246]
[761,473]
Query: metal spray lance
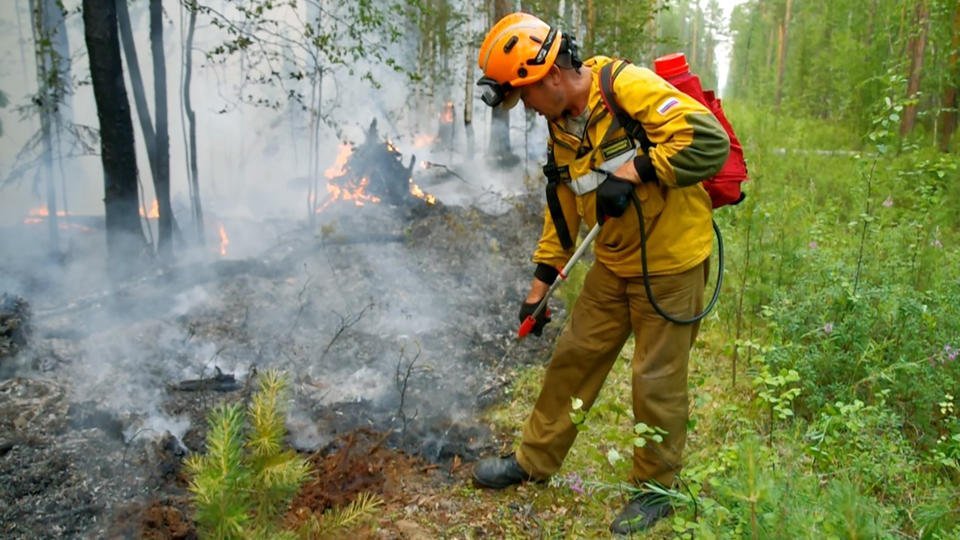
[527,325]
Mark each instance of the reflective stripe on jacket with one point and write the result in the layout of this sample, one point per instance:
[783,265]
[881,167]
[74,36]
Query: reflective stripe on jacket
[691,145]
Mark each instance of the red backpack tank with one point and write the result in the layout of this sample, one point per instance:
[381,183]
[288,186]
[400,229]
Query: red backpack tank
[723,187]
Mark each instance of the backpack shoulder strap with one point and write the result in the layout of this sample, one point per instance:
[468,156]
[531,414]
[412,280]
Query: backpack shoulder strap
[633,128]
[556,176]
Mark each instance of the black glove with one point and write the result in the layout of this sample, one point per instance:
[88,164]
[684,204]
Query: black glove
[613,197]
[527,309]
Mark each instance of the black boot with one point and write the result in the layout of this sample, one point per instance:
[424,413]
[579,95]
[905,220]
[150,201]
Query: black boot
[641,513]
[499,472]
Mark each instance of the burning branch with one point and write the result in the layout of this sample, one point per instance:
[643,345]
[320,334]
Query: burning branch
[370,173]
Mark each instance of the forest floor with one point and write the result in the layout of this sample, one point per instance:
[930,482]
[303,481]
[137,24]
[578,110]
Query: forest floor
[395,327]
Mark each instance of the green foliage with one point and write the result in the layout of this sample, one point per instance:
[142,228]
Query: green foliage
[336,522]
[839,56]
[246,480]
[776,392]
[281,46]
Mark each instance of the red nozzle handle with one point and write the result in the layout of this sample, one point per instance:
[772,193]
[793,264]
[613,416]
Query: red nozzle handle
[526,326]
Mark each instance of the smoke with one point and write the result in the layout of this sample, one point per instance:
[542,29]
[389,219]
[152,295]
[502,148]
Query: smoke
[341,319]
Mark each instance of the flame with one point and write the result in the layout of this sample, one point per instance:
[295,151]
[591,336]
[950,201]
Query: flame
[447,116]
[224,241]
[421,141]
[391,147]
[419,193]
[338,167]
[154,212]
[356,192]
[36,216]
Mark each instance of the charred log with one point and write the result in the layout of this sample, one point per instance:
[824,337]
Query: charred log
[220,382]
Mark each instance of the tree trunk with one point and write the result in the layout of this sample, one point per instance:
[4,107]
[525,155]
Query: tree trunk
[695,38]
[191,142]
[49,92]
[124,234]
[468,91]
[136,82]
[161,176]
[917,45]
[948,116]
[499,150]
[782,53]
[589,38]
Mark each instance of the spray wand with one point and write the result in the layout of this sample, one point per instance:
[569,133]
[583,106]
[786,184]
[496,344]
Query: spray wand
[527,325]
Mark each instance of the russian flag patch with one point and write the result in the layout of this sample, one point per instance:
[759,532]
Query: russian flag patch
[667,105]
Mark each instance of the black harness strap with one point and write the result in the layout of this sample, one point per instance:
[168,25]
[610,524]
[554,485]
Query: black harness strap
[556,176]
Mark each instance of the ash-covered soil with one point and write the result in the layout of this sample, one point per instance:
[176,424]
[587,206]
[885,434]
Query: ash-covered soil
[398,321]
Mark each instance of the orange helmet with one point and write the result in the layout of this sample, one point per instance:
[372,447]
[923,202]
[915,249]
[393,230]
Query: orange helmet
[518,50]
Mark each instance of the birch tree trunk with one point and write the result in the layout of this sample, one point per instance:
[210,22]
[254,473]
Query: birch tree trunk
[52,58]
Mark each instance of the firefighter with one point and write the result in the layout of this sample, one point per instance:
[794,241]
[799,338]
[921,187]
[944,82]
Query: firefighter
[595,172]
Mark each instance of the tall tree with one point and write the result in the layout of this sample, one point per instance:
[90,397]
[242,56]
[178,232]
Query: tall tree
[948,114]
[53,72]
[190,135]
[916,49]
[499,150]
[161,177]
[124,234]
[468,86]
[782,46]
[155,134]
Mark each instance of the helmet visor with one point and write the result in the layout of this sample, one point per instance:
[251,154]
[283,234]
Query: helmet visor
[493,93]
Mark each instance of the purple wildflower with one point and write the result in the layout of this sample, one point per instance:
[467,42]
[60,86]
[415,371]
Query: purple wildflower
[575,483]
[828,328]
[936,243]
[950,352]
[813,244]
[888,202]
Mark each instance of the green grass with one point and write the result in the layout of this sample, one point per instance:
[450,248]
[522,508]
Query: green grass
[841,268]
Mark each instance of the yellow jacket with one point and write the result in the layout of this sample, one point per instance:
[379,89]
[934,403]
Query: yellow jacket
[691,146]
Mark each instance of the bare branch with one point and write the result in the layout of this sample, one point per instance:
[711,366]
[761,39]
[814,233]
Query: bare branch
[345,323]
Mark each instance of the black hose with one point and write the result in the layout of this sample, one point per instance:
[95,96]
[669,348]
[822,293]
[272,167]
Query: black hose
[646,275]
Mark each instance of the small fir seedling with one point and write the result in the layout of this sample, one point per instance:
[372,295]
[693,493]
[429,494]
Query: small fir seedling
[246,480]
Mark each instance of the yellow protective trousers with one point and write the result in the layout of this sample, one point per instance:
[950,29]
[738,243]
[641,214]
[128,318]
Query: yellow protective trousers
[607,310]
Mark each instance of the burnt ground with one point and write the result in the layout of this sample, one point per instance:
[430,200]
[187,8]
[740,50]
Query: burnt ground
[391,322]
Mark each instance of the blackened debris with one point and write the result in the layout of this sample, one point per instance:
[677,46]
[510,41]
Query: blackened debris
[220,382]
[14,324]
